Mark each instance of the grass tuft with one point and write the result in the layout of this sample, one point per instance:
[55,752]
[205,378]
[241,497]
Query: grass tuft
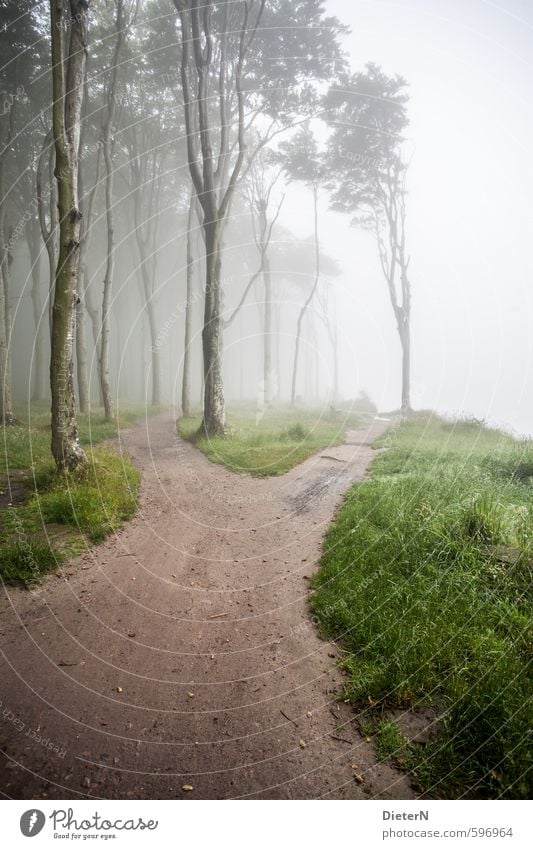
[55,515]
[426,578]
[271,444]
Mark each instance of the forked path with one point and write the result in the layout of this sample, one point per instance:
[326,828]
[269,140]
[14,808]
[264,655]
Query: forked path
[181,653]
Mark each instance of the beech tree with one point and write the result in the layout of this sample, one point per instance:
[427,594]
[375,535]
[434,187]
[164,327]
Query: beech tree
[122,24]
[366,170]
[68,73]
[302,162]
[214,177]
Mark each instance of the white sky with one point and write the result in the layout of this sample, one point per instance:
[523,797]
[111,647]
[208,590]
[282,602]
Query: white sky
[470,217]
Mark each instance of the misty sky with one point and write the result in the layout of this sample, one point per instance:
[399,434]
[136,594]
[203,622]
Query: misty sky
[470,221]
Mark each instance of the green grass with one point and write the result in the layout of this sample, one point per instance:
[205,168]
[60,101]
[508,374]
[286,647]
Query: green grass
[57,515]
[281,439]
[389,742]
[426,579]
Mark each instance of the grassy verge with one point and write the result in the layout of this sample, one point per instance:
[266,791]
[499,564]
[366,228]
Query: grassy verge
[425,579]
[46,516]
[281,439]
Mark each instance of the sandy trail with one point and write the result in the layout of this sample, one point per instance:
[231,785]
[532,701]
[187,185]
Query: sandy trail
[181,651]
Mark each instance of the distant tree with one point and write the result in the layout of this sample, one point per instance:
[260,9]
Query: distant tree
[258,188]
[302,163]
[123,21]
[230,87]
[366,170]
[18,35]
[68,73]
[214,176]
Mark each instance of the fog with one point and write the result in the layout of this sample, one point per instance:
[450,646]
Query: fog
[468,226]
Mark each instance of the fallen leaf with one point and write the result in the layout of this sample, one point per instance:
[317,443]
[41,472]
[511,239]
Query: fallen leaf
[190,695]
[187,788]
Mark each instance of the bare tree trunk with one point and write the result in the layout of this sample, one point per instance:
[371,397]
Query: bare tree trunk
[81,340]
[212,185]
[86,207]
[335,345]
[6,405]
[147,288]
[6,402]
[68,68]
[267,335]
[405,339]
[108,283]
[39,365]
[81,349]
[110,266]
[307,301]
[214,419]
[49,233]
[187,353]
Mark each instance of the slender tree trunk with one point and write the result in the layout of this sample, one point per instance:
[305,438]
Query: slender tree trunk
[307,302]
[214,419]
[187,352]
[81,336]
[405,339]
[39,363]
[154,347]
[81,349]
[267,338]
[6,405]
[335,345]
[49,234]
[110,266]
[67,78]
[108,283]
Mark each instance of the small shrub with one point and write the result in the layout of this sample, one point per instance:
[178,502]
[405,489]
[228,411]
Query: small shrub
[295,432]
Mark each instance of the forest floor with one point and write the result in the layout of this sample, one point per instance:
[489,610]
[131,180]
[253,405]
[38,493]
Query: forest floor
[179,658]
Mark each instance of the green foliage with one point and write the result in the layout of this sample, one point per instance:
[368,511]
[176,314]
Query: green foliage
[295,432]
[280,440]
[26,561]
[426,577]
[60,514]
[389,741]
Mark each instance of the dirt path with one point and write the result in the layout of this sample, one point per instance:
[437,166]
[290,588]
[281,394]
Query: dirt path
[181,652]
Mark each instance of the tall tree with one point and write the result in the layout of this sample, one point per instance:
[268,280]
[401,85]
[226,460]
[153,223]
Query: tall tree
[366,170]
[107,139]
[68,73]
[259,187]
[303,163]
[6,401]
[188,328]
[214,177]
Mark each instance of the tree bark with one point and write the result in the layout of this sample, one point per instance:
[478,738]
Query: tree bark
[187,353]
[39,365]
[6,404]
[267,334]
[110,265]
[214,419]
[6,401]
[67,80]
[213,187]
[49,233]
[405,339]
